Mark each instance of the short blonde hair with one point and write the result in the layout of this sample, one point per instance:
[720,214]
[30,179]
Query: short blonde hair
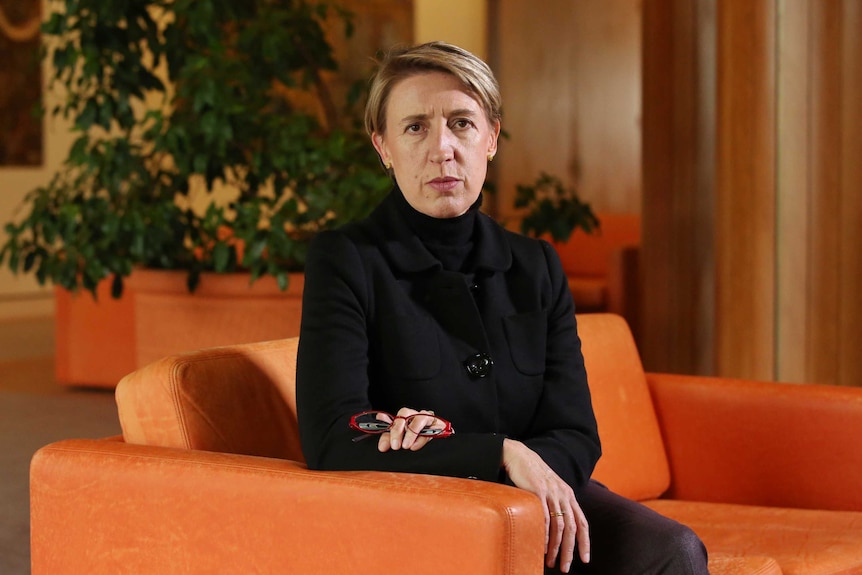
[474,74]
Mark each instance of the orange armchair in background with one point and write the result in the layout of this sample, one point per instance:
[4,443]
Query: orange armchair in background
[603,267]
[208,477]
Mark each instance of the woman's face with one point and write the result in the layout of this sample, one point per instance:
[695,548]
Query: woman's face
[437,139]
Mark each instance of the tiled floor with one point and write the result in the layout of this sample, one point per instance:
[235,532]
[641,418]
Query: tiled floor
[35,411]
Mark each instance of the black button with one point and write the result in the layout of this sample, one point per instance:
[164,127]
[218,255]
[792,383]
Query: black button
[479,365]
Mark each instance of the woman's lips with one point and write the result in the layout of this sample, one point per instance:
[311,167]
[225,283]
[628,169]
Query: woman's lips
[444,184]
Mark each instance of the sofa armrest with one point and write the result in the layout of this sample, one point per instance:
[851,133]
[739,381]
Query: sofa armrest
[107,507]
[759,443]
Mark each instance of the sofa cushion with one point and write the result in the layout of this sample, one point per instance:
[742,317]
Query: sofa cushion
[721,564]
[805,541]
[633,461]
[173,402]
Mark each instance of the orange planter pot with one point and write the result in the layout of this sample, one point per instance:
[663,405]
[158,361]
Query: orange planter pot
[224,309]
[94,339]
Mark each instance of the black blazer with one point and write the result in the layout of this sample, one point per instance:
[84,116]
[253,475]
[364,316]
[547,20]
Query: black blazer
[385,327]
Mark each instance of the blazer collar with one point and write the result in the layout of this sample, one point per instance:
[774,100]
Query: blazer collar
[407,252]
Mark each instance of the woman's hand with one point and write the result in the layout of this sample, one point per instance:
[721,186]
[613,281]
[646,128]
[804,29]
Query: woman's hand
[402,436]
[565,522]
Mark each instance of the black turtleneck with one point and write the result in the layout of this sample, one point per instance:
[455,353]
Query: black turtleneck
[450,240]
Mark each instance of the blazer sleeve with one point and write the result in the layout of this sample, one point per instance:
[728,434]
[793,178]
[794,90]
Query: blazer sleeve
[564,431]
[332,377]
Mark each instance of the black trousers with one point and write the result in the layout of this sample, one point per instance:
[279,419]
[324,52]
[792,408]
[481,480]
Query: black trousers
[627,538]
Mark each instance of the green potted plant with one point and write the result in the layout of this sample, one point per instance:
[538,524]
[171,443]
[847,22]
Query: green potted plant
[552,210]
[210,138]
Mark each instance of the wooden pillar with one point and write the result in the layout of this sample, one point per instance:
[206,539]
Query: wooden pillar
[835,317]
[784,259]
[794,189]
[850,317]
[819,318]
[678,185]
[746,189]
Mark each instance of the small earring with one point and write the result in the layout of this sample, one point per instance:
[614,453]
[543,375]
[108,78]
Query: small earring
[490,157]
[387,165]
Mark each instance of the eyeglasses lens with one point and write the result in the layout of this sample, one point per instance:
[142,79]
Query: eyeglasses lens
[380,421]
[374,421]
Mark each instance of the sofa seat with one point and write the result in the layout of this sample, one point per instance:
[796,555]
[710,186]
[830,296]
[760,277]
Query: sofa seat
[802,541]
[738,565]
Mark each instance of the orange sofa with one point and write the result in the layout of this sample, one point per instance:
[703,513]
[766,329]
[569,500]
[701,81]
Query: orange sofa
[208,477]
[603,268]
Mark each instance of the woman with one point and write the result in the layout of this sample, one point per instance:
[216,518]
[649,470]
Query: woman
[430,311]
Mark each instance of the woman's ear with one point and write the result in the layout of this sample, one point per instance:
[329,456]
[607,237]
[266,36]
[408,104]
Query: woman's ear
[494,137]
[377,141]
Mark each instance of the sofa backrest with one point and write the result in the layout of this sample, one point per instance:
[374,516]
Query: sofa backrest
[242,399]
[633,462]
[233,399]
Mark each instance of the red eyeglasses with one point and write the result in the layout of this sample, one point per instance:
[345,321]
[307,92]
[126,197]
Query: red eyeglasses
[377,422]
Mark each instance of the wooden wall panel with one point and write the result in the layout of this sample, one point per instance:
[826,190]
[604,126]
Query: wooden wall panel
[570,77]
[850,314]
[788,189]
[678,185]
[820,176]
[793,183]
[745,189]
[751,178]
[825,203]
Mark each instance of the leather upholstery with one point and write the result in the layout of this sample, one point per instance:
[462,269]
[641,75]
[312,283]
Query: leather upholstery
[633,460]
[208,479]
[108,508]
[755,443]
[799,540]
[230,399]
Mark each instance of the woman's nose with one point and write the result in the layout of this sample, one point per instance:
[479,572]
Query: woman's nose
[442,146]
